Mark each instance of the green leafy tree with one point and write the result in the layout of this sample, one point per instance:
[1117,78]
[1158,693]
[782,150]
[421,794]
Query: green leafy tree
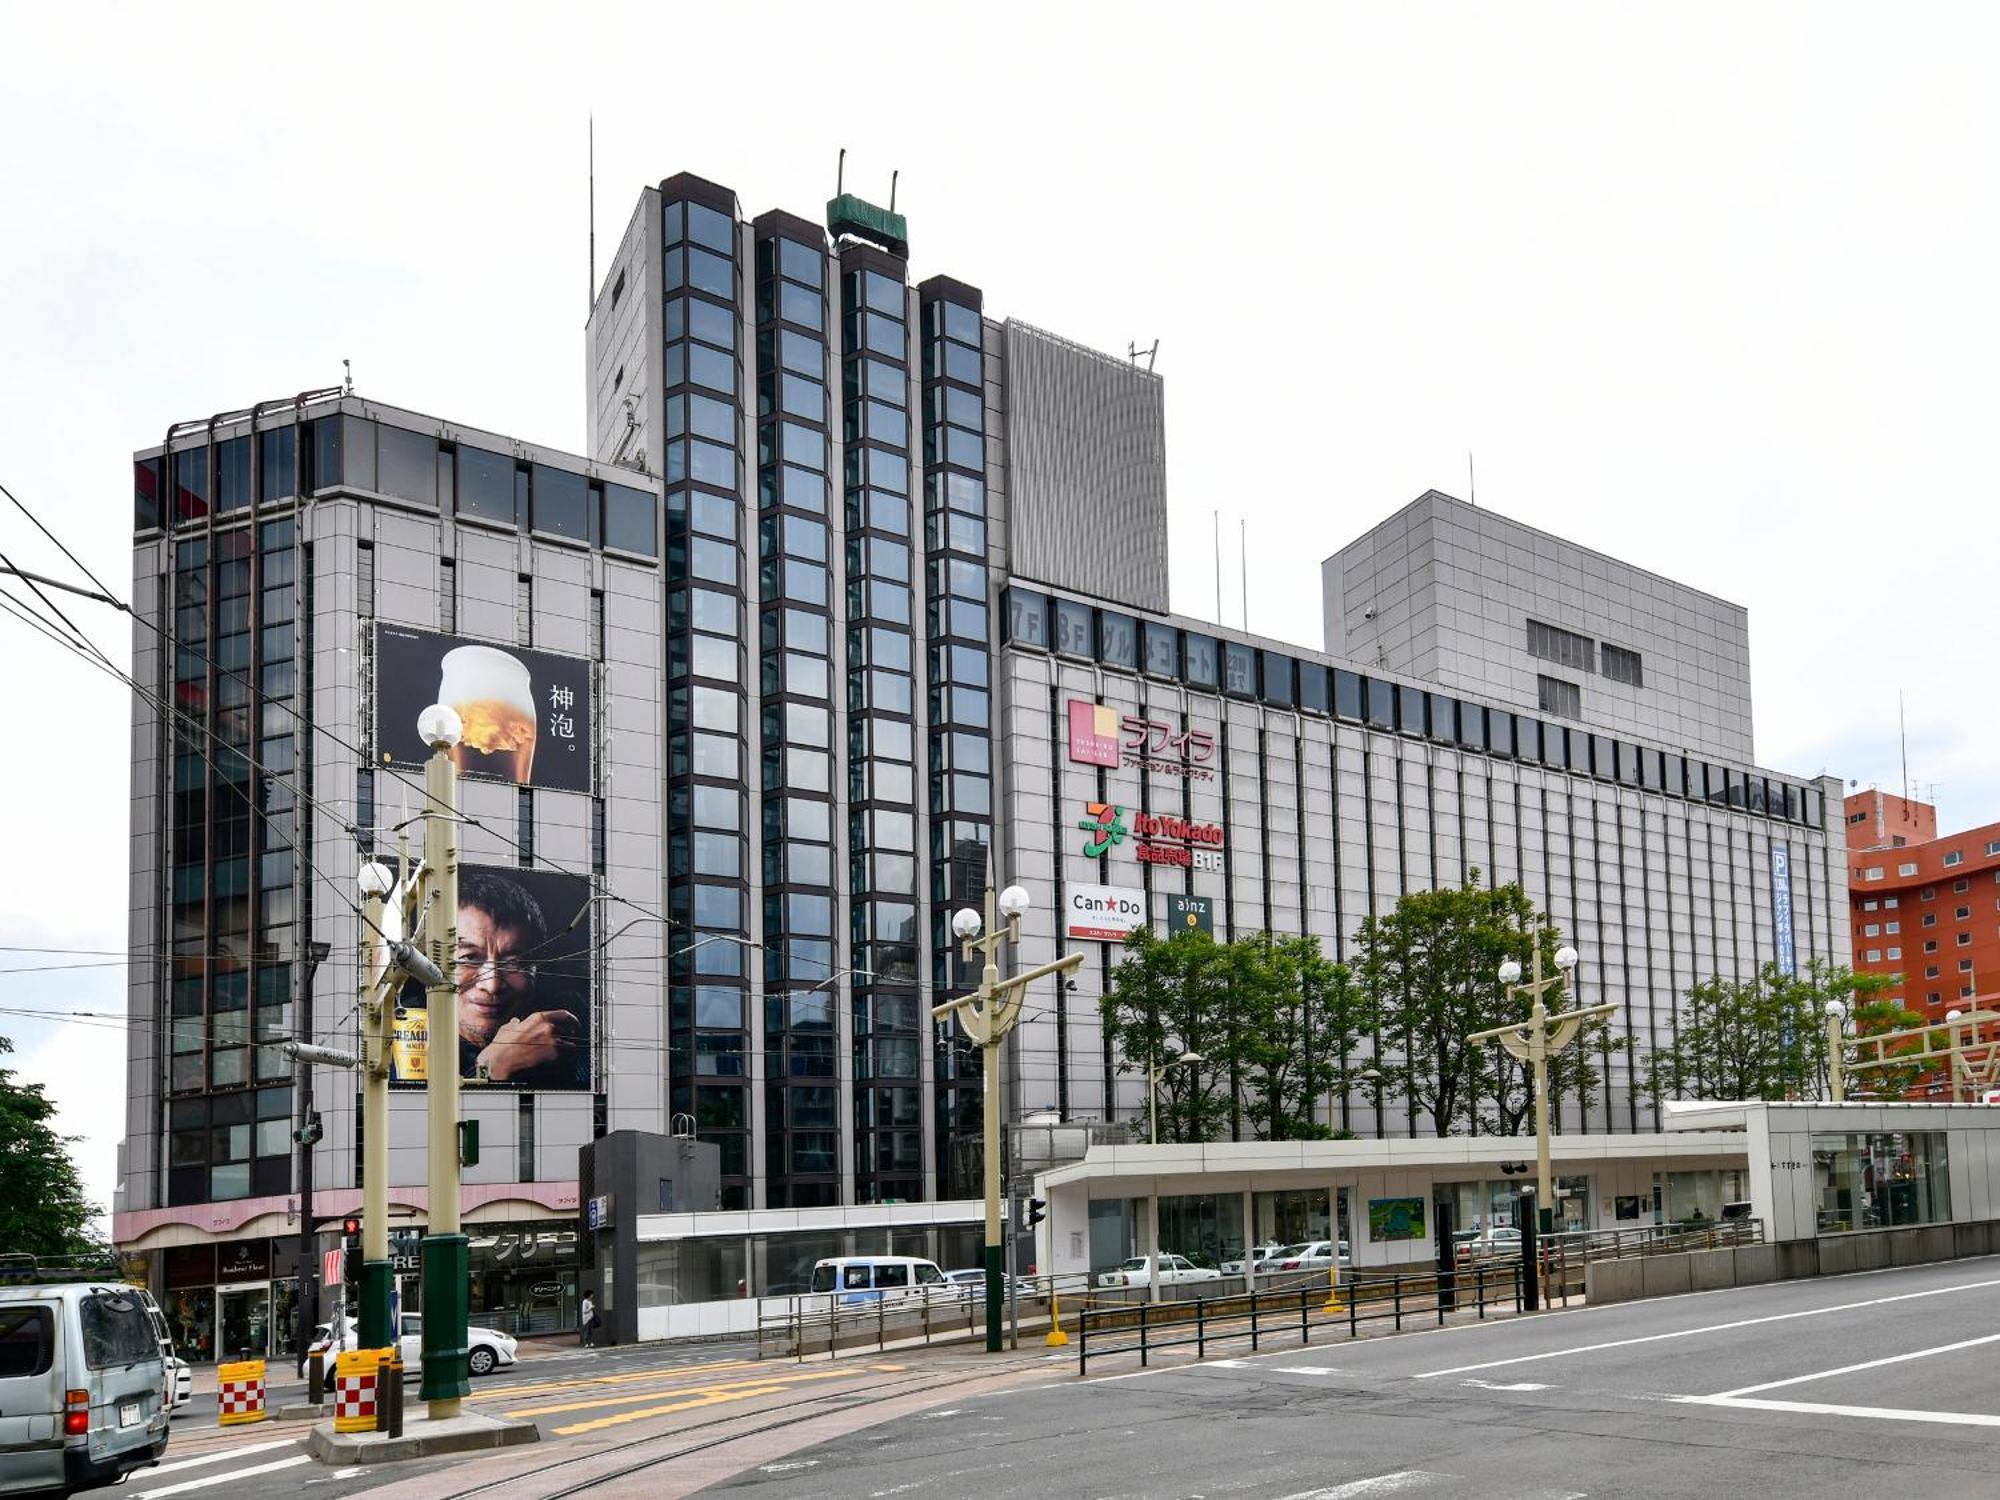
[1431,970]
[1307,1015]
[1765,1037]
[1166,997]
[42,1207]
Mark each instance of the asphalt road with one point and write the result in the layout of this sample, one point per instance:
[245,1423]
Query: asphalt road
[1872,1385]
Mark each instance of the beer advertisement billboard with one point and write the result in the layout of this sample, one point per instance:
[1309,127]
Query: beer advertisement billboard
[524,985]
[527,713]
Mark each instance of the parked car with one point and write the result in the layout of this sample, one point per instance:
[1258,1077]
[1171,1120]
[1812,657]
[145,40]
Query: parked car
[876,1278]
[972,1283]
[84,1398]
[1313,1255]
[1257,1256]
[180,1379]
[1174,1269]
[1487,1244]
[488,1349]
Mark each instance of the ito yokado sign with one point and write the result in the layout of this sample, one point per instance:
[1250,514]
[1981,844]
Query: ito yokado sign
[1156,838]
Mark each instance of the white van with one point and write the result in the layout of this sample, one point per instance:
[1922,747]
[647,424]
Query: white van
[83,1393]
[879,1278]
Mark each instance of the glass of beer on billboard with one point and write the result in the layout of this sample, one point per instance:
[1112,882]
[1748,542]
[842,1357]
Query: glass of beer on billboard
[494,696]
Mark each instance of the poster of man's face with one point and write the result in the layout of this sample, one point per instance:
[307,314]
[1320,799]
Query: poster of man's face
[523,976]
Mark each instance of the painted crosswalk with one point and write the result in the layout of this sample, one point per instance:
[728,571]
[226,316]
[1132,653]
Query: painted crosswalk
[223,1466]
[617,1401]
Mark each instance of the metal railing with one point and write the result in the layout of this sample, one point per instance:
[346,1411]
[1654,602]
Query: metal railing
[1252,1317]
[832,1322]
[1567,1257]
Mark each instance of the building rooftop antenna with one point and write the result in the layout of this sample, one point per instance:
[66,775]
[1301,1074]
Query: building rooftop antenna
[840,174]
[347,381]
[892,188]
[1132,353]
[590,292]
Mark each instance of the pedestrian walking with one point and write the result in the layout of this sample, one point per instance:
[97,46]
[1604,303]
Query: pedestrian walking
[589,1322]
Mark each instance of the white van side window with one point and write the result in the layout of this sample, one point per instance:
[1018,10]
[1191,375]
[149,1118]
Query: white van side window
[27,1340]
[854,1276]
[892,1275]
[928,1274]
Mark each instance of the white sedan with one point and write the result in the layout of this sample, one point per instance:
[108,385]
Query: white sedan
[1258,1255]
[1174,1269]
[488,1349]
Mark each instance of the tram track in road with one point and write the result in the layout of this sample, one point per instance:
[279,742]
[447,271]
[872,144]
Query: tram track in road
[671,1445]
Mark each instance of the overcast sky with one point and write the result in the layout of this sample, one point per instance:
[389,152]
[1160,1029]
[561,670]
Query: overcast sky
[1709,288]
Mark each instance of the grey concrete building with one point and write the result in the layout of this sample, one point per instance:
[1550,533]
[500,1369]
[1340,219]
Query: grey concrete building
[1473,602]
[307,575]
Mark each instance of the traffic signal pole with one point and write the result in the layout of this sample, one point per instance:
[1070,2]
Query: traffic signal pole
[446,1268]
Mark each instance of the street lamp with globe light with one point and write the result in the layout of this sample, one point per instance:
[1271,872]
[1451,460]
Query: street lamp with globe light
[1534,1042]
[987,1016]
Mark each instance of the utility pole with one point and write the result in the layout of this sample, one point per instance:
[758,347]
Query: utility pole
[987,1016]
[307,1135]
[380,980]
[446,1268]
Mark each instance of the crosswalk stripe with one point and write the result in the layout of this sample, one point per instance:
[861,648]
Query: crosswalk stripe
[217,1457]
[224,1478]
[1398,1483]
[700,1388]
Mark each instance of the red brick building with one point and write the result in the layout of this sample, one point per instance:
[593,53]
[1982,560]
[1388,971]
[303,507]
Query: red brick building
[1925,908]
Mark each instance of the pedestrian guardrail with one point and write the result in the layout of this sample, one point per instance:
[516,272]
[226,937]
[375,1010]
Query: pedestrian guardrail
[1146,1328]
[835,1322]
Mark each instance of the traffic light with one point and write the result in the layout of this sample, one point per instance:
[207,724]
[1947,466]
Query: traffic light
[350,1241]
[311,1132]
[1038,1210]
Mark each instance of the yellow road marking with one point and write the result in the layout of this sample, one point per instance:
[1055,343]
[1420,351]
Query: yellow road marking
[666,1411]
[714,1388]
[630,1377]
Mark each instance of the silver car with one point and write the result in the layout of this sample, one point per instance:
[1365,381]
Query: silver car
[83,1386]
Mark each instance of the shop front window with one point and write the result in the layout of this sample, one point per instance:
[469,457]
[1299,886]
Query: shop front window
[1880,1181]
[1205,1227]
[1291,1217]
[524,1281]
[191,1323]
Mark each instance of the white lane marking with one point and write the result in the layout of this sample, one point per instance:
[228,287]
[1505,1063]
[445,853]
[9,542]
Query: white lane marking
[1382,1484]
[207,1479]
[218,1456]
[1683,1333]
[1305,1370]
[1873,1364]
[1519,1385]
[932,1416]
[804,1463]
[1829,1409]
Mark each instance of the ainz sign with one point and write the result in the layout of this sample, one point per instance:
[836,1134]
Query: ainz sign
[1157,838]
[1100,736]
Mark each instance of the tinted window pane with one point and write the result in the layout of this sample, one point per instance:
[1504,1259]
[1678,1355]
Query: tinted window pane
[1315,688]
[1163,650]
[1074,628]
[1239,669]
[1472,726]
[562,502]
[1027,618]
[1381,703]
[711,273]
[485,485]
[408,465]
[1500,732]
[707,227]
[1346,694]
[797,305]
[232,474]
[1410,709]
[1117,639]
[1204,663]
[631,520]
[800,262]
[1278,679]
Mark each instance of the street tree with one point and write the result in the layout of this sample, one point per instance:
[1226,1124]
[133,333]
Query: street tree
[43,1210]
[1430,969]
[1765,1037]
[1168,997]
[1307,1016]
